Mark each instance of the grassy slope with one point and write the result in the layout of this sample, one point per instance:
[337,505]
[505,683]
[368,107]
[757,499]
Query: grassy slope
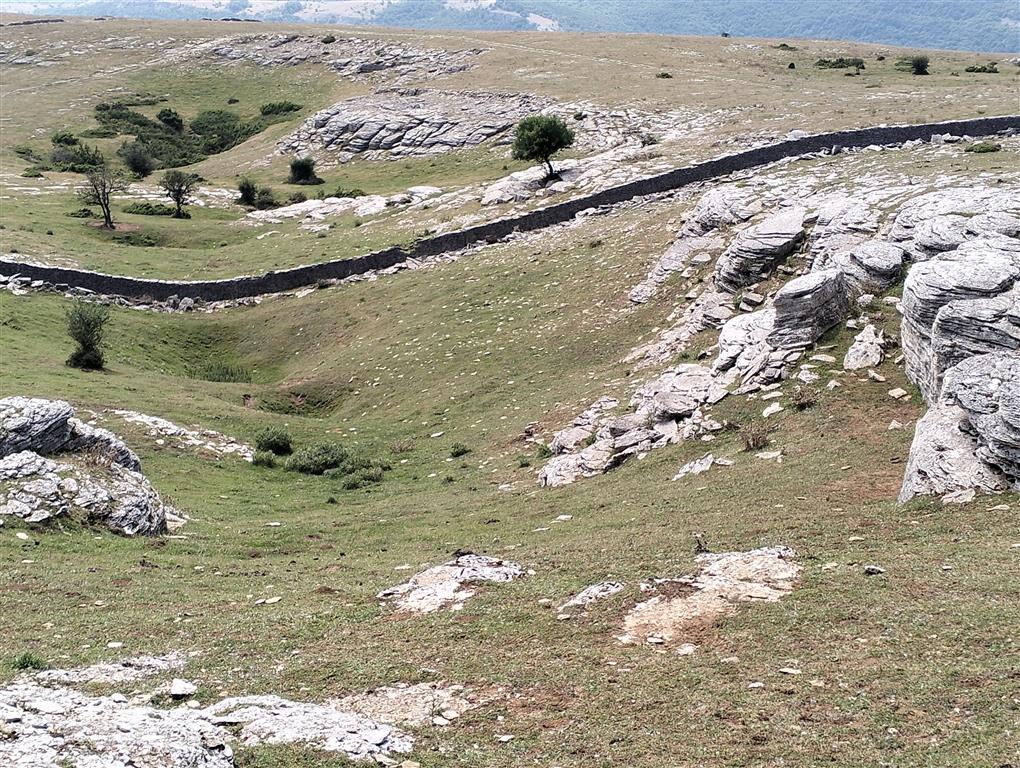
[915,666]
[744,84]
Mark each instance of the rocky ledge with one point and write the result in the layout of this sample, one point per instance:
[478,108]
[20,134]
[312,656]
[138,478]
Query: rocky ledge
[53,465]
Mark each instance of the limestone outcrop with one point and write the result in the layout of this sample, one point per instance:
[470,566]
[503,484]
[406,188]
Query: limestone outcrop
[759,248]
[53,465]
[970,437]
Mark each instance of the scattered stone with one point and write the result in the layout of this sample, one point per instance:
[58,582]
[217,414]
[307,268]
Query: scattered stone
[695,467]
[416,705]
[180,689]
[447,585]
[204,439]
[592,594]
[873,570]
[898,393]
[866,350]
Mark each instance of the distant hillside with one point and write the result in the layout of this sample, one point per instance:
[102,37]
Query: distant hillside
[978,25]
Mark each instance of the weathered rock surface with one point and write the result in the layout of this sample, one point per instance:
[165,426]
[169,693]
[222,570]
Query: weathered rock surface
[49,426]
[44,723]
[583,426]
[592,594]
[759,248]
[95,478]
[724,582]
[421,704]
[979,269]
[451,584]
[760,346]
[711,309]
[871,266]
[207,440]
[866,351]
[970,437]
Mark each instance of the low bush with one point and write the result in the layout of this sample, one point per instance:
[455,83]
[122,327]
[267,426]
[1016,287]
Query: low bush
[27,660]
[98,133]
[328,39]
[275,440]
[317,459]
[403,445]
[278,108]
[664,76]
[916,65]
[31,172]
[149,209]
[543,451]
[79,158]
[459,449]
[137,158]
[302,171]
[981,147]
[349,192]
[755,435]
[263,459]
[297,197]
[63,139]
[171,119]
[265,199]
[785,47]
[246,191]
[988,69]
[139,239]
[842,62]
[82,213]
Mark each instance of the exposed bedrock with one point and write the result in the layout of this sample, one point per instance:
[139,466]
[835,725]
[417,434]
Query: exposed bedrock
[758,249]
[869,266]
[53,465]
[941,324]
[761,345]
[970,437]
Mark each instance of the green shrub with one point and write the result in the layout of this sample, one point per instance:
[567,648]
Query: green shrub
[263,459]
[98,133]
[989,69]
[232,100]
[171,119]
[580,115]
[86,325]
[219,130]
[82,213]
[916,65]
[149,209]
[362,477]
[543,451]
[139,239]
[523,461]
[31,172]
[316,459]
[302,171]
[273,439]
[664,75]
[63,139]
[328,39]
[981,147]
[27,660]
[265,199]
[79,158]
[785,47]
[278,108]
[247,191]
[539,137]
[803,399]
[841,63]
[349,192]
[459,449]
[297,197]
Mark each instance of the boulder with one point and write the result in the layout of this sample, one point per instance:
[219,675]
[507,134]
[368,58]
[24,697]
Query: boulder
[808,306]
[758,249]
[866,351]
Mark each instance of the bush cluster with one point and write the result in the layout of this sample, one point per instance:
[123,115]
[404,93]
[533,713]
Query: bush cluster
[278,108]
[981,147]
[842,62]
[86,325]
[302,171]
[149,209]
[276,440]
[334,460]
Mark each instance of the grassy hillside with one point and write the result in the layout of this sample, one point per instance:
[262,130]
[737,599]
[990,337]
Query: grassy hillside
[912,667]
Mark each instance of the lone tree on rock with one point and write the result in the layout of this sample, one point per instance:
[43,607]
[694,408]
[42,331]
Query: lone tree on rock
[539,137]
[100,184]
[178,186]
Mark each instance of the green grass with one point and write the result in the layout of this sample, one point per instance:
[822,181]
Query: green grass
[921,650]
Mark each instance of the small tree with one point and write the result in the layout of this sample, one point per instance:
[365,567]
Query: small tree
[917,65]
[246,191]
[539,137]
[178,186]
[302,171]
[86,324]
[137,158]
[101,182]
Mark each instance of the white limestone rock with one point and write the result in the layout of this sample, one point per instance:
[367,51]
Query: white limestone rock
[450,584]
[759,248]
[866,351]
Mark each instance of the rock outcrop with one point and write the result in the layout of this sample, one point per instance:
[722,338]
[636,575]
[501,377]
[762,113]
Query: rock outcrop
[866,351]
[759,248]
[970,437]
[450,584]
[871,266]
[53,465]
[939,323]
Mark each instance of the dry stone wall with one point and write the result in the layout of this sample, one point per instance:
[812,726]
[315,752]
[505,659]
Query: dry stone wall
[283,280]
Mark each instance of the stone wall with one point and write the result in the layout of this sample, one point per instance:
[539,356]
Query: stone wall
[288,279]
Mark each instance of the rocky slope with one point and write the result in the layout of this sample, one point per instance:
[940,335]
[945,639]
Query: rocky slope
[55,466]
